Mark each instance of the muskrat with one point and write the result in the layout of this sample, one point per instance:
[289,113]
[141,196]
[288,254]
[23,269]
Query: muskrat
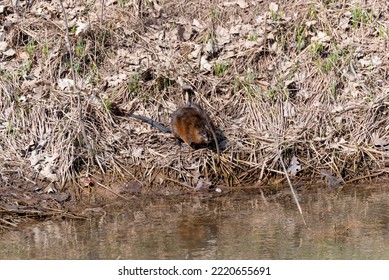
[189,124]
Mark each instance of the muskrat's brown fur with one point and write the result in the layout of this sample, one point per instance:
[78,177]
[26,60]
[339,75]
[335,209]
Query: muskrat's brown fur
[189,124]
[193,126]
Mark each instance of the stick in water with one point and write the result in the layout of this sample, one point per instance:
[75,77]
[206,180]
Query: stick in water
[291,187]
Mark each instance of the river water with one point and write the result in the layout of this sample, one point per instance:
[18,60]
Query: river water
[352,223]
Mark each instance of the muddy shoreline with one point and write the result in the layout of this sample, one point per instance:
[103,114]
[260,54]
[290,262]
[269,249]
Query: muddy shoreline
[22,203]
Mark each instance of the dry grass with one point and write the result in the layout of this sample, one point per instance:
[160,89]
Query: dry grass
[309,79]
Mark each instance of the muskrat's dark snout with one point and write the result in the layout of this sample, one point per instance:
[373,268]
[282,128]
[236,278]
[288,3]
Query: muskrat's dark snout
[206,138]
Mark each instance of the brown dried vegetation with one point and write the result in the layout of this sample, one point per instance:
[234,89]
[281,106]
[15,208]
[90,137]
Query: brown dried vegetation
[307,78]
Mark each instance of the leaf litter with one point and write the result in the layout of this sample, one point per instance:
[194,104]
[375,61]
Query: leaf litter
[308,78]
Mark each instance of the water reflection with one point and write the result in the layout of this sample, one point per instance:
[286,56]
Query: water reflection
[348,224]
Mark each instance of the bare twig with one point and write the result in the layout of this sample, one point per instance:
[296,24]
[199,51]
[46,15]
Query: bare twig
[102,13]
[291,186]
[80,113]
[7,222]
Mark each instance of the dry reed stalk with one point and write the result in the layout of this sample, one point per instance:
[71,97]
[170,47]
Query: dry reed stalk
[283,81]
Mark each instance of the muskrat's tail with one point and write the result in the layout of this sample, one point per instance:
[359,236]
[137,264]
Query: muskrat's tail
[150,122]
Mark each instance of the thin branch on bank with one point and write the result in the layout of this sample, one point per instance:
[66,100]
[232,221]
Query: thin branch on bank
[80,113]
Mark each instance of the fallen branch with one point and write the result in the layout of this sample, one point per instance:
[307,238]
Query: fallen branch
[291,187]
